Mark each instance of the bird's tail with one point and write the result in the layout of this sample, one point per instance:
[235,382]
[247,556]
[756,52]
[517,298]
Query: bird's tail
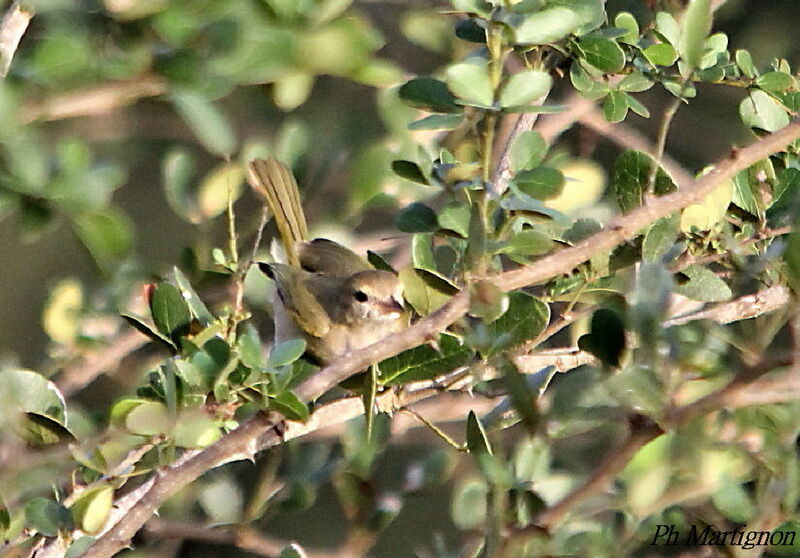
[274,182]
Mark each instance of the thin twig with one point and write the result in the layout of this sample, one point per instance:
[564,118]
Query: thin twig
[12,28]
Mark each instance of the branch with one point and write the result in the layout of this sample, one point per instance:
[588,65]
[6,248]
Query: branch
[12,28]
[98,99]
[256,433]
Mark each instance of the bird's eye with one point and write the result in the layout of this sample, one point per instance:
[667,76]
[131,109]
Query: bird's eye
[360,296]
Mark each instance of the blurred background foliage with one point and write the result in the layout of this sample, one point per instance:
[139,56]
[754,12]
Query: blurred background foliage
[124,123]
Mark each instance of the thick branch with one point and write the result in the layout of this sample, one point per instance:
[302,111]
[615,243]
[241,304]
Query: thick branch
[12,28]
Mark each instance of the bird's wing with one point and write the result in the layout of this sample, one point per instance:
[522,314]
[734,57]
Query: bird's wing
[274,182]
[297,289]
[330,258]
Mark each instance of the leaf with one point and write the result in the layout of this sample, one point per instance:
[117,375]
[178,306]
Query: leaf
[196,305]
[286,352]
[591,13]
[195,430]
[107,235]
[147,418]
[745,63]
[417,218]
[541,183]
[527,243]
[425,362]
[170,312]
[626,21]
[635,82]
[455,217]
[150,331]
[249,347]
[468,507]
[524,87]
[734,502]
[37,429]
[477,441]
[206,121]
[223,181]
[487,301]
[46,516]
[61,314]
[606,337]
[659,238]
[522,397]
[759,110]
[604,54]
[588,88]
[527,151]
[547,26]
[430,94]
[660,54]
[437,122]
[705,215]
[615,107]
[424,290]
[636,106]
[469,81]
[696,26]
[409,171]
[527,316]
[92,508]
[293,550]
[29,392]
[703,285]
[630,176]
[668,27]
[177,169]
[422,252]
[791,255]
[290,406]
[775,82]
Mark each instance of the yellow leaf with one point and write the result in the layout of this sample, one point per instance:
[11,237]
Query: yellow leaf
[60,316]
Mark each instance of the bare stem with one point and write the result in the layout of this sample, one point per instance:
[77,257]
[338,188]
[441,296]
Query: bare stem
[12,28]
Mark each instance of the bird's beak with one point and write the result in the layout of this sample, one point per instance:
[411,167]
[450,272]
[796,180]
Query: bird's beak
[393,305]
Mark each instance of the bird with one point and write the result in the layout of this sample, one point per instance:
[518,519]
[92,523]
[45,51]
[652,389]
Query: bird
[328,295]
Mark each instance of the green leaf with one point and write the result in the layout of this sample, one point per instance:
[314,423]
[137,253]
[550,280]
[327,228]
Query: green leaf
[468,507]
[195,430]
[547,26]
[455,217]
[107,235]
[635,82]
[527,316]
[487,301]
[522,397]
[286,352]
[425,362]
[149,330]
[409,171]
[591,13]
[791,255]
[26,391]
[528,150]
[147,418]
[196,305]
[46,516]
[92,508]
[437,122]
[759,110]
[249,347]
[668,28]
[430,94]
[527,243]
[696,26]
[177,170]
[606,337]
[206,121]
[170,311]
[290,406]
[586,86]
[604,54]
[703,285]
[469,81]
[660,54]
[417,218]
[734,502]
[422,252]
[541,183]
[745,63]
[626,21]
[636,106]
[524,87]
[615,107]
[293,550]
[37,429]
[775,82]
[630,176]
[477,441]
[424,290]
[659,238]
[225,180]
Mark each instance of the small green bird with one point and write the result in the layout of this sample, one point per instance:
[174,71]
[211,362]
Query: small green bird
[329,295]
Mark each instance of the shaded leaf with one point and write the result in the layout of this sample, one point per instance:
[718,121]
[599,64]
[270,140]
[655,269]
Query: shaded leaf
[759,110]
[409,171]
[528,150]
[430,94]
[606,337]
[425,362]
[288,404]
[604,54]
[703,285]
[527,316]
[170,312]
[46,516]
[477,441]
[417,218]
